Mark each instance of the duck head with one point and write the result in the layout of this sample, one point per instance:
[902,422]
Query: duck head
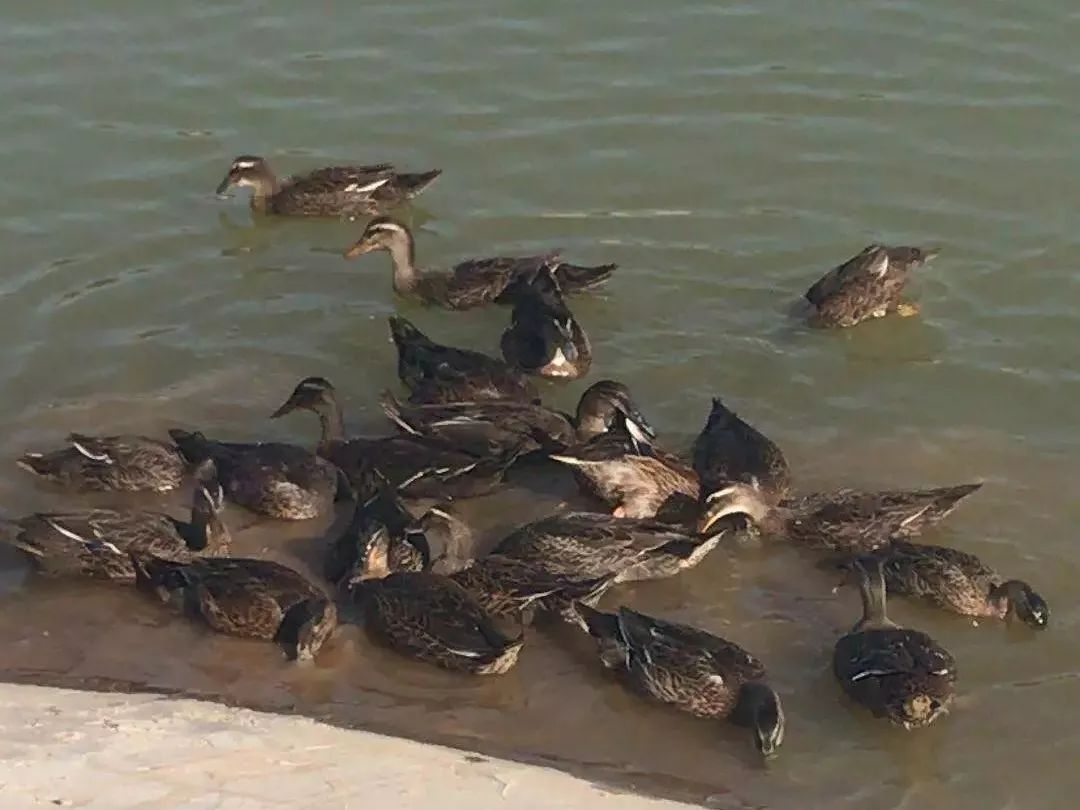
[382,233]
[759,708]
[606,404]
[1018,597]
[207,529]
[734,499]
[311,394]
[251,171]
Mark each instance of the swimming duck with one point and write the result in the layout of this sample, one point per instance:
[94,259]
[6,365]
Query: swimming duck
[436,373]
[271,478]
[471,283]
[415,465]
[333,191]
[410,540]
[258,599]
[98,543]
[960,582]
[110,463]
[690,669]
[430,617]
[493,428]
[625,471]
[868,285]
[591,545]
[731,451]
[843,520]
[903,675]
[544,338]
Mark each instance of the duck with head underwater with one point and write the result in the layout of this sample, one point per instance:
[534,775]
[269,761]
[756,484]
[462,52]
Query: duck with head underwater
[435,373]
[899,674]
[415,465]
[690,669]
[544,338]
[473,282]
[333,191]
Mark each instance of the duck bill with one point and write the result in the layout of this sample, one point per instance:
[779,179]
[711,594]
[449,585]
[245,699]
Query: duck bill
[359,249]
[224,185]
[708,520]
[289,406]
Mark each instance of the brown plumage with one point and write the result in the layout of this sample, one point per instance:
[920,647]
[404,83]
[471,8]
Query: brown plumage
[110,463]
[436,373]
[258,599]
[334,191]
[731,451]
[471,283]
[415,465]
[844,520]
[903,675]
[690,669]
[99,543]
[868,285]
[544,338]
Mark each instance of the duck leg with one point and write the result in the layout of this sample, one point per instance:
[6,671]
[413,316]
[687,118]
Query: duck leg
[906,309]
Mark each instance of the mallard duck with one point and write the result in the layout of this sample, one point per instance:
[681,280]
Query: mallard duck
[415,465]
[472,283]
[436,373]
[900,674]
[958,581]
[493,428]
[110,463]
[731,451]
[430,617]
[273,479]
[330,192]
[258,599]
[844,520]
[411,540]
[622,469]
[689,669]
[98,543]
[590,545]
[868,285]
[544,338]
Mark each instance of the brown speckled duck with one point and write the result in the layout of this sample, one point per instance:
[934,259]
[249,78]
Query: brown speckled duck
[495,427]
[690,669]
[434,373]
[731,451]
[258,599]
[544,338]
[110,463]
[473,282]
[868,285]
[960,582]
[334,191]
[899,674]
[844,520]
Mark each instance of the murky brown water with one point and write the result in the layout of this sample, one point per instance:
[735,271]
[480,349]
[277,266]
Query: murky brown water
[724,155]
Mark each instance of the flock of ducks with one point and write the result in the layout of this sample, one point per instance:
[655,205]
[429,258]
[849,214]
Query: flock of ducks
[467,419]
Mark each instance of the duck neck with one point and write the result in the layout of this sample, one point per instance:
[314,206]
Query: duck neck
[589,425]
[403,255]
[872,592]
[331,425]
[196,532]
[263,189]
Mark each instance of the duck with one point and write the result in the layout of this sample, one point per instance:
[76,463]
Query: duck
[248,598]
[430,617]
[690,669]
[411,540]
[434,373]
[99,543]
[495,427]
[845,520]
[592,544]
[731,451]
[627,472]
[273,479]
[868,285]
[959,582]
[333,191]
[897,673]
[417,466]
[125,463]
[544,338]
[471,283]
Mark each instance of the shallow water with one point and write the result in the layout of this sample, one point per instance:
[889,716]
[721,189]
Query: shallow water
[724,155]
